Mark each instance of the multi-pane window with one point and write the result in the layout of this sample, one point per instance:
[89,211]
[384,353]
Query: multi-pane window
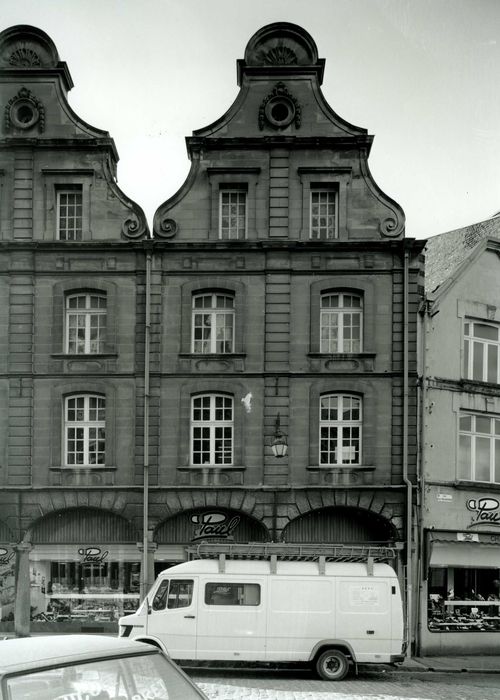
[85,430]
[212,429]
[479,447]
[213,323]
[85,323]
[482,351]
[233,214]
[323,214]
[69,214]
[341,322]
[340,430]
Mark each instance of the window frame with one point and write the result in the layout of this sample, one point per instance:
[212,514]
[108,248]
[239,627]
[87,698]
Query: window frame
[212,424]
[233,234]
[338,426]
[493,437]
[88,313]
[315,231]
[335,179]
[87,425]
[213,311]
[341,312]
[210,593]
[212,285]
[469,343]
[77,231]
[246,179]
[79,285]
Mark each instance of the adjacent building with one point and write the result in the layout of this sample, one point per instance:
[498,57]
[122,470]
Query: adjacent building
[264,340]
[72,276]
[460,502]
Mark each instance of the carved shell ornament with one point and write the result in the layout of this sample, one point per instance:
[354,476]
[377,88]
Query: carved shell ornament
[24,111]
[281,56]
[24,58]
[279,109]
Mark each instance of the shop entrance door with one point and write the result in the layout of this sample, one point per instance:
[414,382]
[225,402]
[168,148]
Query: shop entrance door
[173,617]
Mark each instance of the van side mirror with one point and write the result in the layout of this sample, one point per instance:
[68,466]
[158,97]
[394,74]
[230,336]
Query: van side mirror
[148,604]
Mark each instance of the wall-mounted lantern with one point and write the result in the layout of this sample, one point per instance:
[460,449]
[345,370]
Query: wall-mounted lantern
[279,445]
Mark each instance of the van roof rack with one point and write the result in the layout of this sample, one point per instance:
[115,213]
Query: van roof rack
[282,551]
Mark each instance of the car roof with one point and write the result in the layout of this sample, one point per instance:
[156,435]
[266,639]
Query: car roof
[27,653]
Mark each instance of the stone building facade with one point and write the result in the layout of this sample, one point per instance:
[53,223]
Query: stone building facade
[272,311]
[459,608]
[288,300]
[72,275]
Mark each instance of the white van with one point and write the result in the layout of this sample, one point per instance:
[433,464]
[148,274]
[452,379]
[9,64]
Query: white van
[326,614]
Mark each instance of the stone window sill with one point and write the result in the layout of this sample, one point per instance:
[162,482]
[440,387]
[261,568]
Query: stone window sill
[211,355]
[82,356]
[342,475]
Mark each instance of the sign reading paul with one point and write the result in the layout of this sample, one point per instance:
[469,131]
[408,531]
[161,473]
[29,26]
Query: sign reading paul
[486,511]
[92,554]
[214,525]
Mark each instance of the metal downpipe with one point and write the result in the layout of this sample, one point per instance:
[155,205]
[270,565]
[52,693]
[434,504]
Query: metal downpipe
[145,497]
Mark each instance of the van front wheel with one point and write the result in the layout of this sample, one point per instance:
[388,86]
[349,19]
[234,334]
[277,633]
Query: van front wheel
[332,665]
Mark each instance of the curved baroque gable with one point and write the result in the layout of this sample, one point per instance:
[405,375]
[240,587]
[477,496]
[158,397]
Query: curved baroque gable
[24,47]
[281,44]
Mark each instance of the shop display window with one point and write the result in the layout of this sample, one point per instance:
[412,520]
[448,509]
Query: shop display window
[463,600]
[7,587]
[80,592]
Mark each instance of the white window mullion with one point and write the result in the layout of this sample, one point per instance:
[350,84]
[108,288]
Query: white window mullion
[473,451]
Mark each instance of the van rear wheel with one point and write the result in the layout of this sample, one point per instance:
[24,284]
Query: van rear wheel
[332,665]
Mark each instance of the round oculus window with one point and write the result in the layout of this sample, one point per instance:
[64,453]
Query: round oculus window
[24,114]
[280,111]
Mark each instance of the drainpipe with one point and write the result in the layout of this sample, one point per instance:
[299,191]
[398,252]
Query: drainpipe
[409,487]
[145,495]
[424,311]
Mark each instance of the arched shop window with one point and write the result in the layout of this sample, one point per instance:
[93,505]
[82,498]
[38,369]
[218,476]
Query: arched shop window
[85,571]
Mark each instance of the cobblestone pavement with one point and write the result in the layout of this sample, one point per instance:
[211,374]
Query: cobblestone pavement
[226,685]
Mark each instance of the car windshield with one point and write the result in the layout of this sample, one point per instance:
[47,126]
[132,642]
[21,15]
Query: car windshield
[147,677]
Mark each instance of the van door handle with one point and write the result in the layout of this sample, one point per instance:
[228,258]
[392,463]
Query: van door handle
[189,617]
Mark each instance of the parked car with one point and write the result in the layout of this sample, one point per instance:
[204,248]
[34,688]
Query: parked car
[89,667]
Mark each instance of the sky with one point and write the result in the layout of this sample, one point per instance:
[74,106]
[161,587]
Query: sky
[422,76]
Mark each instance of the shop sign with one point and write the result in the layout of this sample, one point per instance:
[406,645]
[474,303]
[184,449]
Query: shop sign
[92,554]
[6,556]
[444,497]
[467,537]
[214,524]
[486,511]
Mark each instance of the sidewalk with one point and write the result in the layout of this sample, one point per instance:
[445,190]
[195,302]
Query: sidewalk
[473,664]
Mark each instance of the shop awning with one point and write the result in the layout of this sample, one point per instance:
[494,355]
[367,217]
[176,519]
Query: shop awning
[469,555]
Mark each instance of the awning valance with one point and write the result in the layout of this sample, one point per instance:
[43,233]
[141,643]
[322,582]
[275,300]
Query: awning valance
[468,555]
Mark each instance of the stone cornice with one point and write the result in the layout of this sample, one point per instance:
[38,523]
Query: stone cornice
[199,143]
[81,144]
